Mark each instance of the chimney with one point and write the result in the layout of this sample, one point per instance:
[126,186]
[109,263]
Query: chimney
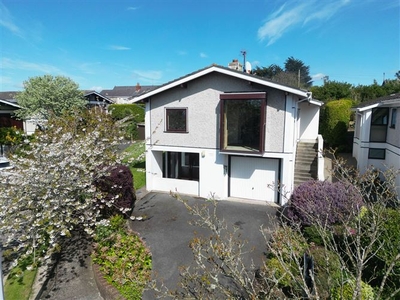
[138,87]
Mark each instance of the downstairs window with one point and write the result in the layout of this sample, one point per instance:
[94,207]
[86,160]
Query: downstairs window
[181,165]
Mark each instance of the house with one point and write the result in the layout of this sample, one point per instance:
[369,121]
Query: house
[123,94]
[8,104]
[96,99]
[223,133]
[377,134]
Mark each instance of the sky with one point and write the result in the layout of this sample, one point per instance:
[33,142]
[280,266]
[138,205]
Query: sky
[100,44]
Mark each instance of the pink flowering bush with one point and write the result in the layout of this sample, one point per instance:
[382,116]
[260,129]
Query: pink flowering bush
[323,202]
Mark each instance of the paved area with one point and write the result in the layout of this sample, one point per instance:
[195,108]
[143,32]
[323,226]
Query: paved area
[72,277]
[167,232]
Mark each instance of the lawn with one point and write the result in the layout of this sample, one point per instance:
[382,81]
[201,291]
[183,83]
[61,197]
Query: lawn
[134,156]
[18,285]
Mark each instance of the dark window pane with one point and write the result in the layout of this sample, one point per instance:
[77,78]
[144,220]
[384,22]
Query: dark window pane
[176,120]
[376,153]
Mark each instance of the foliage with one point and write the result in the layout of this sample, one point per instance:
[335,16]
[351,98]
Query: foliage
[129,115]
[121,111]
[345,292]
[123,259]
[297,67]
[50,191]
[45,96]
[332,90]
[322,202]
[288,75]
[334,122]
[117,184]
[11,136]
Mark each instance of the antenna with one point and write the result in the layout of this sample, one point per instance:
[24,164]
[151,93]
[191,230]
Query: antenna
[243,52]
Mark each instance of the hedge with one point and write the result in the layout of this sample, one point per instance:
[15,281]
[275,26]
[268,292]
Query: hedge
[120,111]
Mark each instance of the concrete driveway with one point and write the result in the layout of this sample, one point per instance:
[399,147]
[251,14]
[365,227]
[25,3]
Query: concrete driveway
[167,232]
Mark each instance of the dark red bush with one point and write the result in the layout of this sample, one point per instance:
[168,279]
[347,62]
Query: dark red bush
[118,183]
[324,202]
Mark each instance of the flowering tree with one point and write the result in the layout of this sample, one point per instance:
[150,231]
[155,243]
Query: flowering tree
[50,191]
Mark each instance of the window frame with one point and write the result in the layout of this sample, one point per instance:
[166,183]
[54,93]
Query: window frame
[377,150]
[393,117]
[243,96]
[168,110]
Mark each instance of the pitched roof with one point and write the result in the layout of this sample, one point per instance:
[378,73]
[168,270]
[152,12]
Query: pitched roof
[128,91]
[389,100]
[9,96]
[14,104]
[102,97]
[226,71]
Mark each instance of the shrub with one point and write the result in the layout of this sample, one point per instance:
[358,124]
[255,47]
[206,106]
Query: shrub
[323,202]
[123,258]
[120,111]
[334,122]
[345,292]
[118,185]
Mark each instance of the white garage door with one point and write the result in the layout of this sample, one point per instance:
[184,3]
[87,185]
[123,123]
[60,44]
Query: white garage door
[251,176]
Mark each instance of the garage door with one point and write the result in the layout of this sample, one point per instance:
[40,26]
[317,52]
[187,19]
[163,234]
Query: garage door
[250,177]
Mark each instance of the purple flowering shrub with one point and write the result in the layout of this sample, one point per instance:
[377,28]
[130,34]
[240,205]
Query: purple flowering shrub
[118,186]
[323,202]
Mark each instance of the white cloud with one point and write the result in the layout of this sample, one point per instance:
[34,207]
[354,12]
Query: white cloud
[182,52]
[118,48]
[7,63]
[293,13]
[132,8]
[318,76]
[148,76]
[203,55]
[6,20]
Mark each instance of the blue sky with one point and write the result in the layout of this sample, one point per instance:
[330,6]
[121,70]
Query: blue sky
[103,43]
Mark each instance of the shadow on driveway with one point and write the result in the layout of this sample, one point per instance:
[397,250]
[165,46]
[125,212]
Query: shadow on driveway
[167,232]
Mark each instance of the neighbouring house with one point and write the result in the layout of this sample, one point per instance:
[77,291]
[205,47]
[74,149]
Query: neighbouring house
[8,104]
[97,100]
[222,133]
[377,134]
[123,94]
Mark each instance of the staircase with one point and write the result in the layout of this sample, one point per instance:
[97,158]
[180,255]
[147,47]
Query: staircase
[306,166]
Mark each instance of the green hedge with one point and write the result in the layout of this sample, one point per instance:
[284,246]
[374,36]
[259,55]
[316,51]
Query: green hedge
[120,111]
[334,122]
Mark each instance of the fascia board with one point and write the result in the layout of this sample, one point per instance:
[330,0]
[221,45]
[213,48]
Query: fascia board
[9,103]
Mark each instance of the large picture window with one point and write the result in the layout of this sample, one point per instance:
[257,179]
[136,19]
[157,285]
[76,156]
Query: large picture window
[242,122]
[176,119]
[379,124]
[181,165]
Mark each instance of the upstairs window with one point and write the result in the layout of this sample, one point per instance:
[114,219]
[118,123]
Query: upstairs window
[393,118]
[379,124]
[176,119]
[242,122]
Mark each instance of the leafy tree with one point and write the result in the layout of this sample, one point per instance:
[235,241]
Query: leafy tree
[296,66]
[332,90]
[268,72]
[48,95]
[288,75]
[50,192]
[397,75]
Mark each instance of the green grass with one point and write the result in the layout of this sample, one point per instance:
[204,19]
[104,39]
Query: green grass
[19,283]
[134,156]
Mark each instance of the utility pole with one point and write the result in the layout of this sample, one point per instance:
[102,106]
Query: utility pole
[298,80]
[244,60]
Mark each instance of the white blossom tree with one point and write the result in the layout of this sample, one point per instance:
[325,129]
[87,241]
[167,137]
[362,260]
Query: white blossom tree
[50,191]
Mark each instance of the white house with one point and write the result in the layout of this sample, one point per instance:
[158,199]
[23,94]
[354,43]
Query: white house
[377,134]
[222,133]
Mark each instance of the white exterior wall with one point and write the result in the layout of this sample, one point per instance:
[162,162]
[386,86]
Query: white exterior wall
[308,121]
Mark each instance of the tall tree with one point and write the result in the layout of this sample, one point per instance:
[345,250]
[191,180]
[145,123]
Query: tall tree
[296,66]
[332,90]
[268,72]
[397,75]
[48,95]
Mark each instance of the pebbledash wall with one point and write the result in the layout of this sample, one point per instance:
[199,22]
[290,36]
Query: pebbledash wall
[286,121]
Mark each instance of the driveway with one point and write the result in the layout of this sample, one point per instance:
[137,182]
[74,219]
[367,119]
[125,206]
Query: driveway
[167,232]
